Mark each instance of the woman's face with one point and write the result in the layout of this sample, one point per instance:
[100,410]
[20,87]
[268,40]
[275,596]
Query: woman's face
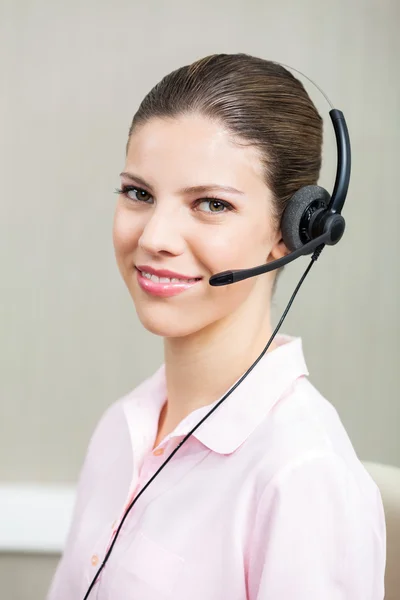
[194,204]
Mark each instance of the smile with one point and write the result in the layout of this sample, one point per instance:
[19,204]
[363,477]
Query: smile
[163,287]
[157,279]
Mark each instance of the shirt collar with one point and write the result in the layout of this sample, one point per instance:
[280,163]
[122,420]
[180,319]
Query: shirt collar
[234,420]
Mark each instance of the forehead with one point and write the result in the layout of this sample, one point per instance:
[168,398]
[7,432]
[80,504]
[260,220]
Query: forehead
[192,149]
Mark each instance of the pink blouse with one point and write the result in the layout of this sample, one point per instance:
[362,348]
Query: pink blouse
[267,500]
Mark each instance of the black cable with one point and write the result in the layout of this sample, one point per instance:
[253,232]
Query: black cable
[314,257]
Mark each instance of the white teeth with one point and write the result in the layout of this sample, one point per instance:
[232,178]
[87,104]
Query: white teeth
[166,279]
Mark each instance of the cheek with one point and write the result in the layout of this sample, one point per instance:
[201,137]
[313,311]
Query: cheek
[125,234]
[226,250]
[234,247]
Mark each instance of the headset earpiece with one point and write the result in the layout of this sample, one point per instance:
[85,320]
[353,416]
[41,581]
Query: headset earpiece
[308,203]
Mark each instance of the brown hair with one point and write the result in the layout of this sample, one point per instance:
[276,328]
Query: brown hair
[260,103]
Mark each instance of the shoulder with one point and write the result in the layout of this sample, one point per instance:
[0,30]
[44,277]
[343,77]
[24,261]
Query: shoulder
[318,512]
[303,438]
[312,464]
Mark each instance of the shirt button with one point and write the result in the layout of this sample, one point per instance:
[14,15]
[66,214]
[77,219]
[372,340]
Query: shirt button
[158,452]
[94,560]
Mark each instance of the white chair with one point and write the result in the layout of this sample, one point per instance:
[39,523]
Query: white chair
[387,479]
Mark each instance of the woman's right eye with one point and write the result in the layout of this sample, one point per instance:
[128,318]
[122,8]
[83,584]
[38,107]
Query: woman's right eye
[135,193]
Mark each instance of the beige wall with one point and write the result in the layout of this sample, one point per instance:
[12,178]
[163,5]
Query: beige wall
[72,74]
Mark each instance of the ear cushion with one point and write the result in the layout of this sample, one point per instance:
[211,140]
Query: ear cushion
[296,207]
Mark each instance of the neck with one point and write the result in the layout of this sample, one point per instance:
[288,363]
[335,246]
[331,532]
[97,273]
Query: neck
[200,368]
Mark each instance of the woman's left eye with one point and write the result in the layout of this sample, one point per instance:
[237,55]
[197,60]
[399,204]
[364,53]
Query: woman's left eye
[134,193]
[212,205]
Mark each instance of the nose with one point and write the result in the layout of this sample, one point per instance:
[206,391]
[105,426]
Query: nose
[162,232]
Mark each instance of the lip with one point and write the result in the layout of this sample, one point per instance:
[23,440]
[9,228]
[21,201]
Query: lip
[163,290]
[164,272]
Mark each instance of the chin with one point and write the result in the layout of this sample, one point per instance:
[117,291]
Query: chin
[168,323]
[186,315]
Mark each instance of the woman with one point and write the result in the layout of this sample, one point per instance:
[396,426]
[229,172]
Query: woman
[267,500]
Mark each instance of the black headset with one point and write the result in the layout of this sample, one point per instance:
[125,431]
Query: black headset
[311,219]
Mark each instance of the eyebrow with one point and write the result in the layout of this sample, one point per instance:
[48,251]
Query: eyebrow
[199,189]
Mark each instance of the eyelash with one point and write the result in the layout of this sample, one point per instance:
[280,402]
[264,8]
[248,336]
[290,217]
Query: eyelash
[133,188]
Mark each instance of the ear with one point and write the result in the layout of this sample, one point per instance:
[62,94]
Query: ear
[278,250]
